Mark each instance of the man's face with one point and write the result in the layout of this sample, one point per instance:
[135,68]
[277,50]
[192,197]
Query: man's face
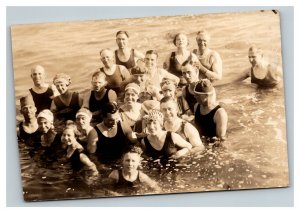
[107,58]
[28,111]
[150,60]
[122,40]
[130,96]
[98,83]
[202,41]
[111,120]
[254,58]
[131,161]
[38,76]
[189,73]
[44,125]
[169,110]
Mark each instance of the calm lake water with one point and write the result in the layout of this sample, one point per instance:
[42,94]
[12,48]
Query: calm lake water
[255,154]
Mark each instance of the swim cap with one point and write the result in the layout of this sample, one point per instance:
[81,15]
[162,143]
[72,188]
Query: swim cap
[134,87]
[154,115]
[84,112]
[47,114]
[149,105]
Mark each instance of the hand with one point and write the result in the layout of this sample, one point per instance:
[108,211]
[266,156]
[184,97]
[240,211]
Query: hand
[141,135]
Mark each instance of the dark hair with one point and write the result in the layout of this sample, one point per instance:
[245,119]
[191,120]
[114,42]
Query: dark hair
[110,107]
[133,149]
[175,37]
[152,52]
[166,99]
[122,32]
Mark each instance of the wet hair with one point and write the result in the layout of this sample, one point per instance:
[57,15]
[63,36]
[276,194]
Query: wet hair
[178,34]
[133,149]
[152,52]
[122,32]
[110,108]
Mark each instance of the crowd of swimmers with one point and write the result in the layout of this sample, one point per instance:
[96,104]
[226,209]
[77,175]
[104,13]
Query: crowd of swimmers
[134,108]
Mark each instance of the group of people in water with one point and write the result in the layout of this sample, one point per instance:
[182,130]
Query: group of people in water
[134,108]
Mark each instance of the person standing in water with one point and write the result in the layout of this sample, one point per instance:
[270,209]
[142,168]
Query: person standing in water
[125,55]
[210,118]
[261,73]
[41,92]
[182,55]
[210,65]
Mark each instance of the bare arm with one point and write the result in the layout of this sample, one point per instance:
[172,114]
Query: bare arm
[138,55]
[147,181]
[221,120]
[92,141]
[166,63]
[216,69]
[86,99]
[112,96]
[129,133]
[179,141]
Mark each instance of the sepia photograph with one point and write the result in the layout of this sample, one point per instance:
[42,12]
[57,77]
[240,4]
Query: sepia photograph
[152,105]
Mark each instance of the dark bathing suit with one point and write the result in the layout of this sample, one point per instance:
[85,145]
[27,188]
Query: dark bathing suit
[175,67]
[74,105]
[43,100]
[268,81]
[95,105]
[205,123]
[128,64]
[115,80]
[31,139]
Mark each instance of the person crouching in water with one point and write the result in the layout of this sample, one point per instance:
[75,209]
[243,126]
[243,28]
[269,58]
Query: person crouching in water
[67,103]
[83,120]
[161,143]
[210,118]
[130,178]
[74,151]
[50,140]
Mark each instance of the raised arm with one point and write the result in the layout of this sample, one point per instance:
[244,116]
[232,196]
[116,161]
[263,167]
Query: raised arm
[166,74]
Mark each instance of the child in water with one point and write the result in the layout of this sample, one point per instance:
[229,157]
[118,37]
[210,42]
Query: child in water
[74,151]
[130,177]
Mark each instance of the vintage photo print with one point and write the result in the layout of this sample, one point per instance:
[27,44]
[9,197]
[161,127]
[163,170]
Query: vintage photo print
[152,105]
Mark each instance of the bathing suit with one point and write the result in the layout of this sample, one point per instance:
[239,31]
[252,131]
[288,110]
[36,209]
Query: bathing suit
[43,100]
[175,67]
[268,81]
[73,105]
[128,64]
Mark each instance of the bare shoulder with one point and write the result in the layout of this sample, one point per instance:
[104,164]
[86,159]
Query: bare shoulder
[143,177]
[114,175]
[221,113]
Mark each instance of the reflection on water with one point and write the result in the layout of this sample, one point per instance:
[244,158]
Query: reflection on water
[254,156]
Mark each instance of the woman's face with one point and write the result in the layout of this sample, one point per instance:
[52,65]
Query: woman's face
[130,96]
[181,40]
[44,125]
[150,60]
[122,40]
[68,137]
[107,58]
[154,127]
[168,92]
[28,111]
[61,87]
[131,161]
[169,110]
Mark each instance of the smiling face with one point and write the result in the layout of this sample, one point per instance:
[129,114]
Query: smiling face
[68,136]
[169,110]
[130,96]
[28,111]
[122,40]
[202,41]
[82,121]
[153,126]
[131,161]
[181,40]
[150,60]
[108,58]
[168,92]
[38,76]
[61,87]
[44,125]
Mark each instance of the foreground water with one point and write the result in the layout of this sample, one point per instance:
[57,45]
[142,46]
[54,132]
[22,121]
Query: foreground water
[255,154]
